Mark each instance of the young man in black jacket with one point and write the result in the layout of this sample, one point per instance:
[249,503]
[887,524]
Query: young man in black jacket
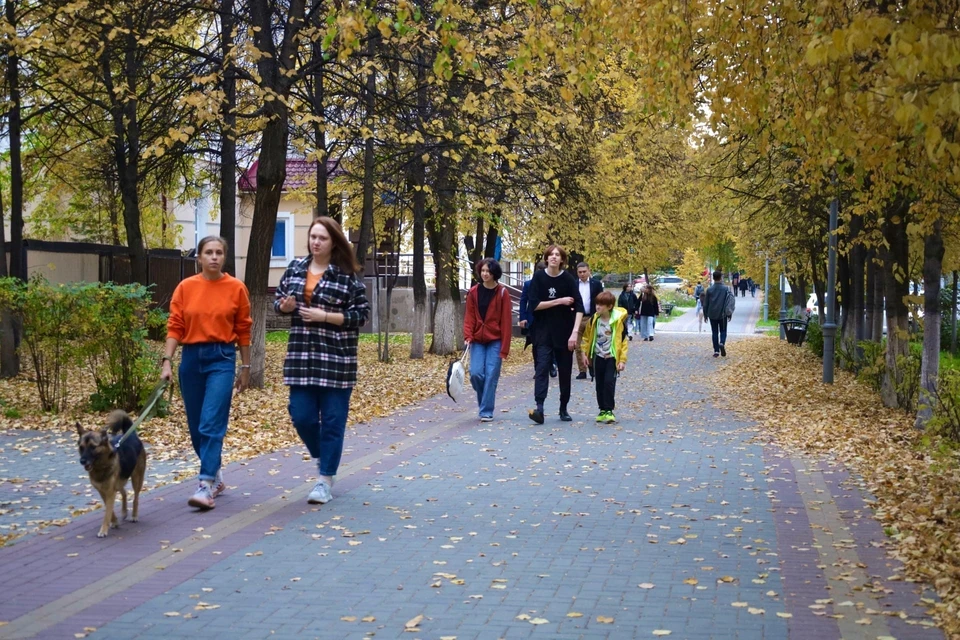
[715,308]
[554,300]
[588,289]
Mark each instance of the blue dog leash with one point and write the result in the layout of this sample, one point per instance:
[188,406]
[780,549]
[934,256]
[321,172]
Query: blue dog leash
[155,396]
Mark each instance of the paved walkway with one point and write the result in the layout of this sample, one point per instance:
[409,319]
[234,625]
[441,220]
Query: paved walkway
[681,518]
[744,320]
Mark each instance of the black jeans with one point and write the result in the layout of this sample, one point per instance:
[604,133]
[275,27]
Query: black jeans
[718,326]
[545,357]
[605,370]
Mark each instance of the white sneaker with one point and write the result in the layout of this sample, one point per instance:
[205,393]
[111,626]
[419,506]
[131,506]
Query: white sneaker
[321,493]
[203,498]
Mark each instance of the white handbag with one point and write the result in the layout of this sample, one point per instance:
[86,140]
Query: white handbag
[456,375]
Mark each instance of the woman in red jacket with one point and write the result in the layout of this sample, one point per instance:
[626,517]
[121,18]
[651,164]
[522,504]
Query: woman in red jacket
[487,331]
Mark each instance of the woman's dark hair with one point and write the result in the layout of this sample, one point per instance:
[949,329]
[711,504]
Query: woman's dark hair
[492,266]
[556,247]
[625,287]
[342,253]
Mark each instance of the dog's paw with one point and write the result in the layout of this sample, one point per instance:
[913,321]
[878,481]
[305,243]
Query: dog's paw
[134,519]
[101,534]
[114,525]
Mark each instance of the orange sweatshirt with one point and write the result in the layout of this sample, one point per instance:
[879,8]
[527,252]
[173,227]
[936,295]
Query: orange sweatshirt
[204,310]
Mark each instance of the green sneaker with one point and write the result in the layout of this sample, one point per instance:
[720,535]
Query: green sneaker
[610,418]
[602,416]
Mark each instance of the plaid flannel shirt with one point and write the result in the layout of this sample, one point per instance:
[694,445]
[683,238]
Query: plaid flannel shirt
[321,354]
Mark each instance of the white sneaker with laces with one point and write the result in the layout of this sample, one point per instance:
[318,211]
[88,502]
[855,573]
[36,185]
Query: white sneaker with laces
[321,493]
[203,498]
[218,484]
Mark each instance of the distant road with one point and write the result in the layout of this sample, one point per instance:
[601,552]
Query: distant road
[744,320]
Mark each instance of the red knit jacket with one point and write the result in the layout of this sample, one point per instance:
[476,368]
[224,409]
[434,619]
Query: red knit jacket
[497,325]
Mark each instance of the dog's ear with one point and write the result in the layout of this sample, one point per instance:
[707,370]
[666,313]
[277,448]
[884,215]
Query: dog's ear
[79,429]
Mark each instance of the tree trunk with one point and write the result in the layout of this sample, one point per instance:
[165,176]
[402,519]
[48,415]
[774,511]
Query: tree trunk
[857,258]
[879,304]
[844,300]
[418,176]
[228,138]
[447,328]
[14,120]
[869,293]
[953,315]
[799,288]
[930,364]
[320,135]
[9,322]
[271,174]
[896,286]
[369,98]
[818,287]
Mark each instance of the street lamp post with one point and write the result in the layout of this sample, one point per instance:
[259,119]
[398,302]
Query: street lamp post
[830,322]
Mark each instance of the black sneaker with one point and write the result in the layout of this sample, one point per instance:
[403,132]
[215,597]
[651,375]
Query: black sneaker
[582,375]
[564,416]
[553,371]
[536,416]
[723,351]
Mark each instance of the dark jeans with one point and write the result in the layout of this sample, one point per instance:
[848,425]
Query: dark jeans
[206,383]
[319,415]
[545,357]
[605,370]
[718,326]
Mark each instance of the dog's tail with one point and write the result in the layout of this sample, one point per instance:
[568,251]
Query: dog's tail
[119,422]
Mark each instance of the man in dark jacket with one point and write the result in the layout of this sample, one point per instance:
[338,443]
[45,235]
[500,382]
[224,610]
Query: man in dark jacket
[588,288]
[714,308]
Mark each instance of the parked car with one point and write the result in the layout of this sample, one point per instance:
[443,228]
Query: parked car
[670,283]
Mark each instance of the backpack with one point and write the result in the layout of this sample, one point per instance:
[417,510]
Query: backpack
[729,305]
[698,291]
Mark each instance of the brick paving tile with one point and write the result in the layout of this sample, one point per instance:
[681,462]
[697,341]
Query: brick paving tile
[677,518]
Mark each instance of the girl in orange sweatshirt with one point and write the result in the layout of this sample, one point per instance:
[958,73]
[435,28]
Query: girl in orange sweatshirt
[210,317]
[487,325]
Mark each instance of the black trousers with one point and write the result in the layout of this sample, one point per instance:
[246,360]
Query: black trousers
[545,355]
[718,327]
[605,372]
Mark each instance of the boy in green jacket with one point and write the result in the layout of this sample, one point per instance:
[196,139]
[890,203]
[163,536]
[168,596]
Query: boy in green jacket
[607,348]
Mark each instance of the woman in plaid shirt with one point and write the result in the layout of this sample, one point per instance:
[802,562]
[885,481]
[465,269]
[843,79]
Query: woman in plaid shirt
[329,305]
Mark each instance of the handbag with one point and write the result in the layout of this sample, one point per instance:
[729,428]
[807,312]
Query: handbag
[455,377]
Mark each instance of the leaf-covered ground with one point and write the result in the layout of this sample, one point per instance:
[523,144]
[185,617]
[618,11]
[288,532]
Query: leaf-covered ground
[259,422]
[916,484]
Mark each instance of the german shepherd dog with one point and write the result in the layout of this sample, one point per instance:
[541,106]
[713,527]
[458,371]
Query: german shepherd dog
[110,467]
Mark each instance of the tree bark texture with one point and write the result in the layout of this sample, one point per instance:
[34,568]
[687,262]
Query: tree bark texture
[369,158]
[228,137]
[447,323]
[896,286]
[930,364]
[418,177]
[15,126]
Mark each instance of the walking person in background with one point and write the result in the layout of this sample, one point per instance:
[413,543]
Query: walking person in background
[588,288]
[628,302]
[487,324]
[698,296]
[605,346]
[526,319]
[328,303]
[715,307]
[744,285]
[649,308]
[557,312]
[735,281]
[210,317]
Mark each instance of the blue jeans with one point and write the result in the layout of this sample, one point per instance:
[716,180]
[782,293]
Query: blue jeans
[647,326]
[485,374]
[319,415]
[207,371]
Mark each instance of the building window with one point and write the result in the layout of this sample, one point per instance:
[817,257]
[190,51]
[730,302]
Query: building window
[281,253]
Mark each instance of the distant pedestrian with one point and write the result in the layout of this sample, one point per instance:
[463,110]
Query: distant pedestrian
[487,324]
[735,281]
[327,300]
[605,347]
[628,302]
[588,288]
[715,307]
[557,311]
[743,287]
[649,308]
[210,317]
[753,288]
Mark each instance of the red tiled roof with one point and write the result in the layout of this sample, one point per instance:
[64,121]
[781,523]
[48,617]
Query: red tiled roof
[300,174]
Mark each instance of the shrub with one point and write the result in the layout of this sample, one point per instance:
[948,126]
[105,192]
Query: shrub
[102,326]
[946,406]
